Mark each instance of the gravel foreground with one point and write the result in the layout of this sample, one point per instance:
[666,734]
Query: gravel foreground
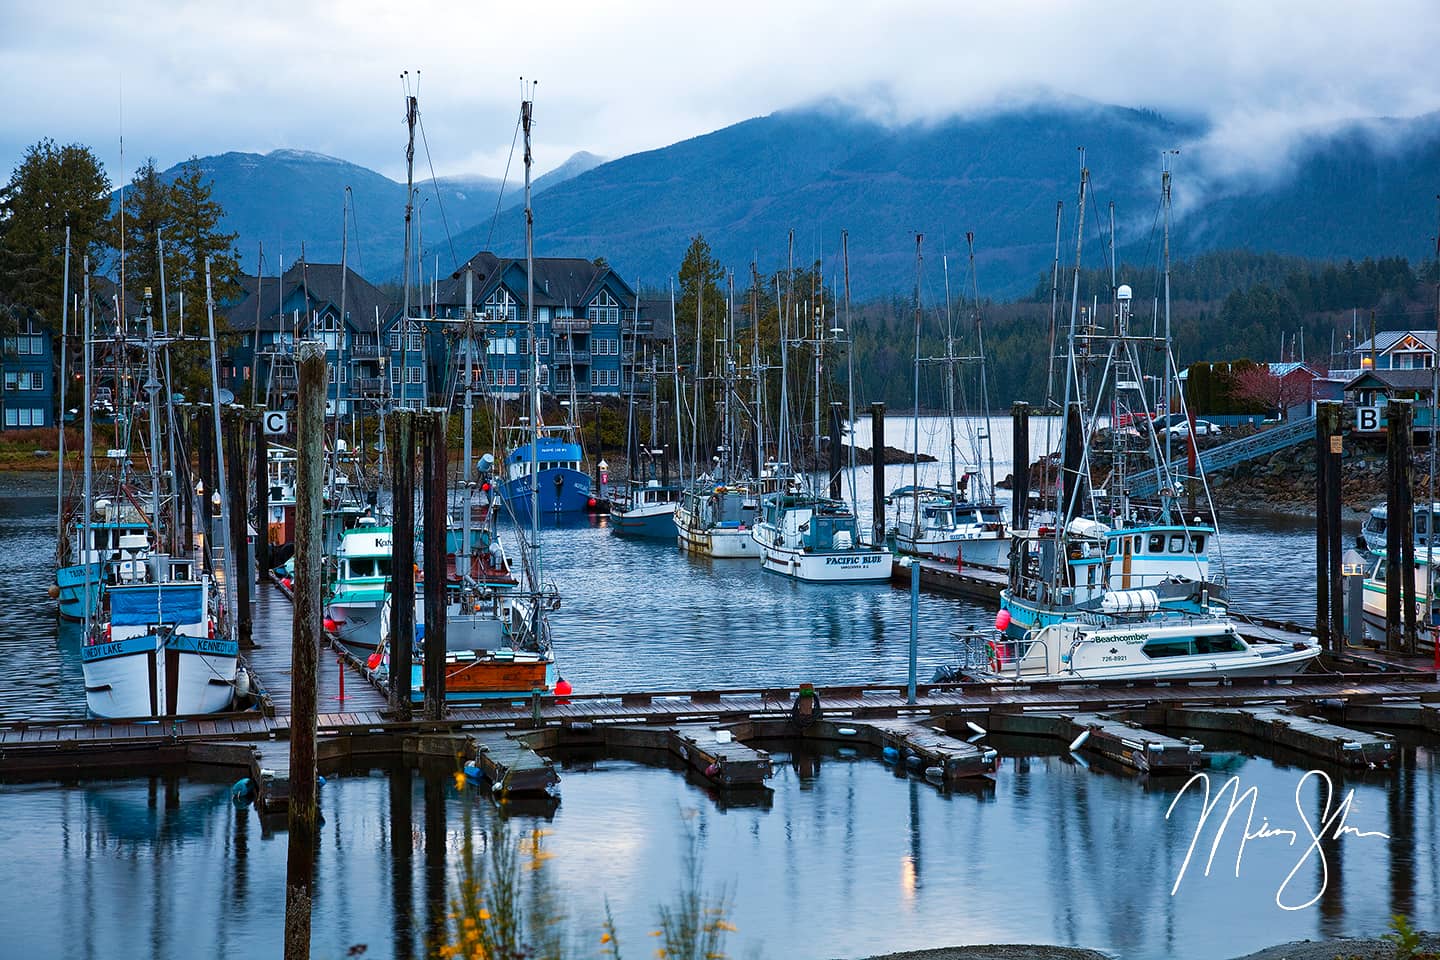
[1368,949]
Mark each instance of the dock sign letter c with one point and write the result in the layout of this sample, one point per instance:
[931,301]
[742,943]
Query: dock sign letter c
[277,422]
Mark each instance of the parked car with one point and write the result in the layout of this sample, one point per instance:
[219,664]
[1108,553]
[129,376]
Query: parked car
[1203,428]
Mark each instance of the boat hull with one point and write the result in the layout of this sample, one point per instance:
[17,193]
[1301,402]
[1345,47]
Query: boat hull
[722,543]
[991,551]
[1283,664]
[850,566]
[561,492]
[656,522]
[79,594]
[152,676]
[358,624]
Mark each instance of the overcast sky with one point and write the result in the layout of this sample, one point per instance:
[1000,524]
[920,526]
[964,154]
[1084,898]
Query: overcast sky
[615,78]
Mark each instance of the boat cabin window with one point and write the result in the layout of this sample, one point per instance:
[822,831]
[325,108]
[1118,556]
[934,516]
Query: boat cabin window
[1219,643]
[1379,573]
[1197,543]
[1135,543]
[1177,543]
[1174,647]
[1113,547]
[991,515]
[1157,543]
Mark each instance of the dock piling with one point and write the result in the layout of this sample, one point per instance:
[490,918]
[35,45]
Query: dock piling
[305,647]
[262,496]
[877,472]
[436,515]
[1020,473]
[1399,562]
[238,541]
[402,562]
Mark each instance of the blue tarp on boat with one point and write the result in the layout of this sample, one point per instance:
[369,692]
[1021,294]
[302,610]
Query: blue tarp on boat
[157,603]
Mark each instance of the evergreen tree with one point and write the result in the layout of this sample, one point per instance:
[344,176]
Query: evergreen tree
[52,187]
[195,234]
[147,207]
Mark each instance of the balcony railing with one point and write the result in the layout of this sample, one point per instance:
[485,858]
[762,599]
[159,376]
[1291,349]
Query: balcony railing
[369,386]
[570,324]
[365,351]
[571,356]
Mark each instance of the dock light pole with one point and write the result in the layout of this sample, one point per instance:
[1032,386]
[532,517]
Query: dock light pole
[914,564]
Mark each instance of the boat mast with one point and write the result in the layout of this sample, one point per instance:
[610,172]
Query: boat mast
[412,110]
[1434,402]
[221,526]
[344,275]
[89,445]
[152,387]
[850,370]
[60,471]
[1065,493]
[950,378]
[526,106]
[984,382]
[755,369]
[173,493]
[1165,254]
[915,456]
[467,429]
[679,419]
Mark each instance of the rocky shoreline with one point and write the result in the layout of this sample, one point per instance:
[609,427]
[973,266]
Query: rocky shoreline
[1373,948]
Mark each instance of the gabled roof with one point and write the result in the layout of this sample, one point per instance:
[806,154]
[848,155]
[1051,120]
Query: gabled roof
[1283,370]
[559,281]
[323,283]
[659,314]
[1419,378]
[1387,340]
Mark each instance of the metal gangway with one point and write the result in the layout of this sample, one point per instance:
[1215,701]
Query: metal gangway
[1147,483]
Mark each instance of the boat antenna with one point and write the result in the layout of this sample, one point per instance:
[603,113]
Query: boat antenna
[412,111]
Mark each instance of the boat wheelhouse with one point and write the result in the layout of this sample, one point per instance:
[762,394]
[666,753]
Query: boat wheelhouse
[562,485]
[716,520]
[816,539]
[949,528]
[645,508]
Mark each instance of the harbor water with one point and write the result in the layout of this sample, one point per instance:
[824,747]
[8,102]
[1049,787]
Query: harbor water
[842,856]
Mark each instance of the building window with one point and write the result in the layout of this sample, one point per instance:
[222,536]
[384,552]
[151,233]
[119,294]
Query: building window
[395,340]
[524,345]
[523,378]
[544,376]
[500,305]
[413,374]
[25,380]
[501,346]
[542,346]
[511,378]
[394,374]
[417,341]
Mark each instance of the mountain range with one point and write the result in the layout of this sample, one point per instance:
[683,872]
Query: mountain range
[1362,189]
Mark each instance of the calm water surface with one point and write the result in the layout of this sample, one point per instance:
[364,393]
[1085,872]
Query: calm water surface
[839,858]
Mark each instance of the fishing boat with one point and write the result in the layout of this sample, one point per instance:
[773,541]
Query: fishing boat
[816,539]
[1139,648]
[1119,590]
[939,525]
[553,456]
[357,606]
[497,633]
[716,520]
[960,521]
[645,508]
[161,644]
[1427,604]
[1373,533]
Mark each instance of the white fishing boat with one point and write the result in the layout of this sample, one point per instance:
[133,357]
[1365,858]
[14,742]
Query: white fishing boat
[940,526]
[161,644]
[816,539]
[716,520]
[1117,648]
[358,602]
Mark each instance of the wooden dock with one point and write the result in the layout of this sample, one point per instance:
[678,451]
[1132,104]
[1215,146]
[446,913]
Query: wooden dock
[971,581]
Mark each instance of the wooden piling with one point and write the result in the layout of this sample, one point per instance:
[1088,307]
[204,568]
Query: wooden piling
[305,647]
[1333,535]
[877,472]
[402,559]
[436,515]
[1322,526]
[1399,532]
[1405,485]
[1020,474]
[262,496]
[238,542]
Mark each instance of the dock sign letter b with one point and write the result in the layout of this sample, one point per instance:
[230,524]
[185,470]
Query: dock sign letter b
[1367,420]
[276,422]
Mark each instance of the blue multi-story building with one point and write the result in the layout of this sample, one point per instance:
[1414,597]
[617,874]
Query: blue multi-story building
[585,325]
[369,361]
[28,360]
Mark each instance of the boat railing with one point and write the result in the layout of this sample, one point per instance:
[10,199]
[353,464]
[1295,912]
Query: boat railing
[981,651]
